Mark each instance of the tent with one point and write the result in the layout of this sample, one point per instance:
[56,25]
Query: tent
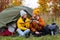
[12,14]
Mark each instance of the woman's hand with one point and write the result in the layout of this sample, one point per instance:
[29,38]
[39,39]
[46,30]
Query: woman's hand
[36,21]
[37,32]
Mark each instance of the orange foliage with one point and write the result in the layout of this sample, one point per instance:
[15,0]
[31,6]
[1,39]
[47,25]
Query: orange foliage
[43,5]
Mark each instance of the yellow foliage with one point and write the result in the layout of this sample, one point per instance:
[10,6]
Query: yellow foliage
[41,9]
[5,6]
[17,2]
[43,5]
[41,2]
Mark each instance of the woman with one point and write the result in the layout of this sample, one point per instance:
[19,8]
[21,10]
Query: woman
[37,25]
[23,24]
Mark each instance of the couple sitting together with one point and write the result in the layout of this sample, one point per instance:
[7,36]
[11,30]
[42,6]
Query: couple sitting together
[25,25]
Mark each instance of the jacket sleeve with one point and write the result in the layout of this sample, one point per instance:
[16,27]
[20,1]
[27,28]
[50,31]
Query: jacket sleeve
[20,25]
[33,29]
[22,28]
[42,23]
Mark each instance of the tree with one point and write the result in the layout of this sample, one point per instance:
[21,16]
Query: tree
[17,2]
[43,5]
[9,3]
[56,9]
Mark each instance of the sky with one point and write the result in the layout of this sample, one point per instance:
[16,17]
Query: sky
[31,3]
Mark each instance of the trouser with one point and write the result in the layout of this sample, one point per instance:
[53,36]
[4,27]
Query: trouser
[23,33]
[38,35]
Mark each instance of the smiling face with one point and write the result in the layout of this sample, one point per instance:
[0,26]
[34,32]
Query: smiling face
[25,16]
[37,17]
[33,16]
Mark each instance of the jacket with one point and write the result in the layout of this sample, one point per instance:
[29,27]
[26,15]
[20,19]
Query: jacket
[23,25]
[37,26]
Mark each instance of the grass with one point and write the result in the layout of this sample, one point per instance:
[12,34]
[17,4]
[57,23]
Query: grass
[47,37]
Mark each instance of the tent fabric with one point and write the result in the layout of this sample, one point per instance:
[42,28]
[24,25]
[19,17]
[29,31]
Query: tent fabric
[12,14]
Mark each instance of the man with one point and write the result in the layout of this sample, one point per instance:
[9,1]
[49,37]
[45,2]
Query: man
[37,25]
[23,24]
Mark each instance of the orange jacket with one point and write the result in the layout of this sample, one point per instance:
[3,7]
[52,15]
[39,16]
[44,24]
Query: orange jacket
[41,22]
[37,26]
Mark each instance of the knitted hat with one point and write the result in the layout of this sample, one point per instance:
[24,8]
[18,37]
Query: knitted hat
[22,12]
